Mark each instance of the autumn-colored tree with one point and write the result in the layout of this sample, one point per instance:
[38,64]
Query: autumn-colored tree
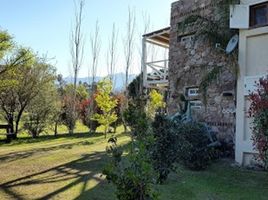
[106,104]
[84,114]
[69,116]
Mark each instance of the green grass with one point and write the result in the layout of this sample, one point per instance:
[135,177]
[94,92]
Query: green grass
[69,167]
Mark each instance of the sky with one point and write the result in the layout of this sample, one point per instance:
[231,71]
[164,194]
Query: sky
[45,25]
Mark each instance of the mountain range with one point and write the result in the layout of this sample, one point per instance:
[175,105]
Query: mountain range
[118,83]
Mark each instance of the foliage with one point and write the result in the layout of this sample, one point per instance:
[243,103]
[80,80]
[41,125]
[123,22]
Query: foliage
[164,148]
[156,102]
[6,43]
[68,114]
[207,80]
[193,149]
[132,175]
[137,120]
[259,112]
[121,99]
[106,104]
[84,111]
[41,110]
[24,83]
[134,88]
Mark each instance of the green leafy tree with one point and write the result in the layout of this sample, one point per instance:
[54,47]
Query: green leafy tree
[40,112]
[106,104]
[20,85]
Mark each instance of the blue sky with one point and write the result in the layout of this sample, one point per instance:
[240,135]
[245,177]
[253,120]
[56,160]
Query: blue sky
[44,25]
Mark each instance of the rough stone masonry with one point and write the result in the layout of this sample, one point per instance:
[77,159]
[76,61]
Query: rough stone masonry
[190,60]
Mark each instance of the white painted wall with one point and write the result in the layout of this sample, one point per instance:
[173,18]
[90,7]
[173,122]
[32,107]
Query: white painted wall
[253,63]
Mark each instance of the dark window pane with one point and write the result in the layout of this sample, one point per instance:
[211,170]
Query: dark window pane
[260,15]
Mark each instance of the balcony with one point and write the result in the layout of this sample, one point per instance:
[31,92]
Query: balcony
[155,65]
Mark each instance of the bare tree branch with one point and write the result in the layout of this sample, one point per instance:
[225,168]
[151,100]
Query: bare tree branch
[129,43]
[95,44]
[77,48]
[112,54]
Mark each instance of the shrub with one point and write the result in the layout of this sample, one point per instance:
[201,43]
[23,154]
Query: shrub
[133,176]
[164,149]
[138,121]
[193,149]
[259,111]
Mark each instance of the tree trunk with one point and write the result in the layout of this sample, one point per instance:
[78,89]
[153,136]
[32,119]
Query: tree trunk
[105,132]
[18,120]
[11,124]
[56,129]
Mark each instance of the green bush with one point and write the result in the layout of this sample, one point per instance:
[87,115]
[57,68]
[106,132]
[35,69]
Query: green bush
[193,149]
[164,149]
[137,120]
[132,175]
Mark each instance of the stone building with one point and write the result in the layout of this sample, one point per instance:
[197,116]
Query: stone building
[191,58]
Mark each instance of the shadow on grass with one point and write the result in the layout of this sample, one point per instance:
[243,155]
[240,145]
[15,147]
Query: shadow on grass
[84,174]
[14,156]
[78,172]
[42,138]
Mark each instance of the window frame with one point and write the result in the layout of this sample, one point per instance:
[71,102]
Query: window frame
[252,15]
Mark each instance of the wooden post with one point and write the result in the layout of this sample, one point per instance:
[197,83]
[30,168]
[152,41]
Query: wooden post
[144,61]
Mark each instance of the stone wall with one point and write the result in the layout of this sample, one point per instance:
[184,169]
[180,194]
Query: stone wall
[190,61]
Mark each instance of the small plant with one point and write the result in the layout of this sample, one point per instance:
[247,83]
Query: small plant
[259,112]
[133,175]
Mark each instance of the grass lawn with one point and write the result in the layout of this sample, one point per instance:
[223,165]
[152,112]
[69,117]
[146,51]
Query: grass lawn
[69,167]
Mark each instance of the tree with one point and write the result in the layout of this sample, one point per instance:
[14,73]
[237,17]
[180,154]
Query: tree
[155,103]
[106,104]
[5,45]
[77,53]
[84,107]
[68,100]
[112,54]
[95,43]
[21,85]
[129,44]
[40,112]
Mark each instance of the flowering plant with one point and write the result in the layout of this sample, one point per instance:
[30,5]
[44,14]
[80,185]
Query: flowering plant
[258,110]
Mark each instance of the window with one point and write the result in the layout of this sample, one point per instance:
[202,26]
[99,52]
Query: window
[192,92]
[196,105]
[259,15]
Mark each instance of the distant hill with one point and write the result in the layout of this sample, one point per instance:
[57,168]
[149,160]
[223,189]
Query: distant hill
[118,85]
